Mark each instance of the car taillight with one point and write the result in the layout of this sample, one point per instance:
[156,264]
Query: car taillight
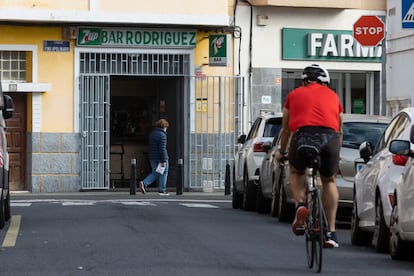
[391,199]
[399,160]
[257,147]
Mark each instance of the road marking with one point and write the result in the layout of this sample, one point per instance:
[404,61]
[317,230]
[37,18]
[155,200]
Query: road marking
[78,203]
[198,205]
[143,203]
[11,235]
[20,204]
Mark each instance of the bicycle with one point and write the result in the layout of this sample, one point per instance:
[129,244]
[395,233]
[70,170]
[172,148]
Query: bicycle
[316,224]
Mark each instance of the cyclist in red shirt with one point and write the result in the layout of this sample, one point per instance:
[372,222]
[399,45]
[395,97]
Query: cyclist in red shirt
[313,112]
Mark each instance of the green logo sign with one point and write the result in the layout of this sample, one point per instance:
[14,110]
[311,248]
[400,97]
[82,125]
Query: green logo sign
[136,38]
[329,45]
[89,37]
[218,50]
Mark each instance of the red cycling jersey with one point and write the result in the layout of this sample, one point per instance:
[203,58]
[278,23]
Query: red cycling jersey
[313,105]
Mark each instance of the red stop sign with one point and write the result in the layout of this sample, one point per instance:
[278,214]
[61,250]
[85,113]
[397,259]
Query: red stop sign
[369,30]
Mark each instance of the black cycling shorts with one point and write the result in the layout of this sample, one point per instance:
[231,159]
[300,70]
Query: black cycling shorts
[325,139]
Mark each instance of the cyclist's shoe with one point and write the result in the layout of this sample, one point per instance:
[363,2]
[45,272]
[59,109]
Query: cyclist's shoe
[299,224]
[331,240]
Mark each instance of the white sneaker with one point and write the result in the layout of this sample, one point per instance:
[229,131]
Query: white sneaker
[163,193]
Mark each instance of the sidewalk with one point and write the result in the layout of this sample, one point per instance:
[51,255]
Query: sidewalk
[117,194]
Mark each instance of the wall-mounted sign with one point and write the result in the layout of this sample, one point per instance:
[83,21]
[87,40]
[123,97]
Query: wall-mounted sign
[56,46]
[330,45]
[407,13]
[218,50]
[136,38]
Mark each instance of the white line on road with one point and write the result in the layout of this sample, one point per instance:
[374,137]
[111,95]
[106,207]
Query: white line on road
[198,205]
[143,203]
[20,204]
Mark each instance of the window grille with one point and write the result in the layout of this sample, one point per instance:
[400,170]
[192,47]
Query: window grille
[13,66]
[134,64]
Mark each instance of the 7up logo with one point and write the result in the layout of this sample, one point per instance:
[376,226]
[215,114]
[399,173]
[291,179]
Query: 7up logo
[89,37]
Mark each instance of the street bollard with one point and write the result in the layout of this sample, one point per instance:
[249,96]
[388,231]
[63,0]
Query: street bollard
[227,180]
[133,181]
[179,185]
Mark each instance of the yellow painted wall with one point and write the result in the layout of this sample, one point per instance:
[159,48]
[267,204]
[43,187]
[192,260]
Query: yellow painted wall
[46,4]
[212,7]
[208,89]
[55,68]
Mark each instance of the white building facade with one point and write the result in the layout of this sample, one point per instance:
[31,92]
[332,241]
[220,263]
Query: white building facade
[280,40]
[400,54]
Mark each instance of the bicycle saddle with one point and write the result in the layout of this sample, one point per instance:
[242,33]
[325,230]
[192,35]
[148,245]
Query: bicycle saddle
[311,153]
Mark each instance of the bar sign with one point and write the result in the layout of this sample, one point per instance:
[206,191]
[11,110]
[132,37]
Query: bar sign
[219,50]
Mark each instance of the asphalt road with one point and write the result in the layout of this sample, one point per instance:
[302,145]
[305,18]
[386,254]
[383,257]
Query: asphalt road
[191,234]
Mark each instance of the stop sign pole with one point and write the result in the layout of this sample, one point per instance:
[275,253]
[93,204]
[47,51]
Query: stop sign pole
[369,30]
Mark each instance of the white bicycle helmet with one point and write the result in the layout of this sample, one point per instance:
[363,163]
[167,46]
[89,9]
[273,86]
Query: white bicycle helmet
[317,73]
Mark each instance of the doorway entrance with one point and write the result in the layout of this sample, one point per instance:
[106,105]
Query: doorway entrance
[16,142]
[136,103]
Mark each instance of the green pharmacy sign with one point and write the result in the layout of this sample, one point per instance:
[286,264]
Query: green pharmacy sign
[136,38]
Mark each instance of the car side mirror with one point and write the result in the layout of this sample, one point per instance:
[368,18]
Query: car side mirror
[365,151]
[8,108]
[401,147]
[241,139]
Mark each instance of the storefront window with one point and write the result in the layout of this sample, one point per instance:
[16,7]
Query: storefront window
[351,88]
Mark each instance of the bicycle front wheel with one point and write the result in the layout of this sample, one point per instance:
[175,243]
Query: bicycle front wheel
[318,230]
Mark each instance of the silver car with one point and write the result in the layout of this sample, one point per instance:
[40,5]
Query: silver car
[274,189]
[402,219]
[374,184]
[357,128]
[249,157]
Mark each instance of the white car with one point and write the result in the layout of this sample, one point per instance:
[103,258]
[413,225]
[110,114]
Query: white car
[374,185]
[248,159]
[402,215]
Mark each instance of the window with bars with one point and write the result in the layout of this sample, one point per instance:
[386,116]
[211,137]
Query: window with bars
[13,66]
[134,64]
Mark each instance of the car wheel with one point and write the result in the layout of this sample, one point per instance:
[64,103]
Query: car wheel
[286,210]
[237,199]
[381,233]
[399,249]
[7,213]
[2,217]
[274,206]
[262,203]
[358,236]
[249,196]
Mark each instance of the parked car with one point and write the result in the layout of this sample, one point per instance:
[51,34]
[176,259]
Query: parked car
[374,184]
[357,128]
[248,159]
[402,219]
[6,107]
[274,183]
